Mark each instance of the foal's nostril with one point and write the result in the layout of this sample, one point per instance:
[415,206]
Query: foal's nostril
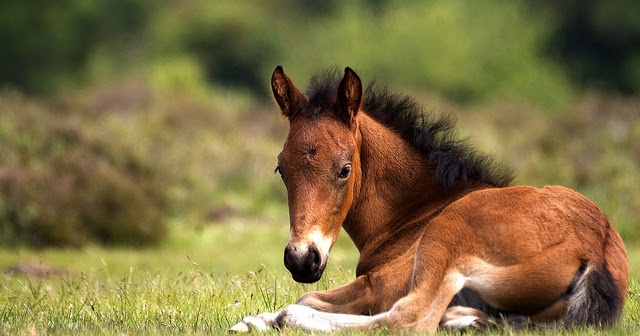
[288,257]
[314,258]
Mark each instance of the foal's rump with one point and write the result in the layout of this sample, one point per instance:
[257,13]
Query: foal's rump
[547,253]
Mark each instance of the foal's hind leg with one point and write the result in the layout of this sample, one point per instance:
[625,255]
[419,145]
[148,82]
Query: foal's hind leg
[425,305]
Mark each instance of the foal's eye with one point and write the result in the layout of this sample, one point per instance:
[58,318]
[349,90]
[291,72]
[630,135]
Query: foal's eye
[344,173]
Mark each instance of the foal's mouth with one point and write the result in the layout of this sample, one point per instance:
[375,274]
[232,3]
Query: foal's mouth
[309,278]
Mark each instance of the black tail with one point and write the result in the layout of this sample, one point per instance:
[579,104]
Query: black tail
[594,299]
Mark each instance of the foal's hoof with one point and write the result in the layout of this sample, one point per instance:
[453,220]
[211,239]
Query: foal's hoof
[240,328]
[262,322]
[460,318]
[465,322]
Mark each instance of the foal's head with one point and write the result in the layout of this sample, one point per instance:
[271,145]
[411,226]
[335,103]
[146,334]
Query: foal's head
[320,167]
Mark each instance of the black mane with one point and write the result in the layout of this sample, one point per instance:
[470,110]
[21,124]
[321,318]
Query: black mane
[456,162]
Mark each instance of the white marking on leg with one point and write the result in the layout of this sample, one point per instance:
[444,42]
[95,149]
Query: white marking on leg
[459,280]
[461,322]
[306,318]
[261,322]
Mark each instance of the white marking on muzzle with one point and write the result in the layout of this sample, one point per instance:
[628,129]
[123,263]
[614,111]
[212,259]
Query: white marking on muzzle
[315,238]
[322,243]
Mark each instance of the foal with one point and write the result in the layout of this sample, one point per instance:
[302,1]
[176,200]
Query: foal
[443,239]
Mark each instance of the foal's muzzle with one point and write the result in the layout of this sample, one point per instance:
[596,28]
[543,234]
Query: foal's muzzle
[305,264]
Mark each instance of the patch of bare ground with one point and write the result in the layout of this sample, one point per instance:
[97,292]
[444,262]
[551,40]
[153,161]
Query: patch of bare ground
[38,270]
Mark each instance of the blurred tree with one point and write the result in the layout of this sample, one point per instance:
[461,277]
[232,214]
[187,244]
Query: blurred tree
[234,42]
[42,40]
[315,8]
[597,42]
[231,53]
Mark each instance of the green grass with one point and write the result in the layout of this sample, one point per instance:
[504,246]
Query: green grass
[198,283]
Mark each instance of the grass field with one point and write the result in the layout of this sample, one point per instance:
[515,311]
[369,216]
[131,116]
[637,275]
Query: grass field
[195,284]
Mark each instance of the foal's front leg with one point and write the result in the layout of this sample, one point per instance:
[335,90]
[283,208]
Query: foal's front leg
[422,309]
[353,298]
[306,318]
[261,322]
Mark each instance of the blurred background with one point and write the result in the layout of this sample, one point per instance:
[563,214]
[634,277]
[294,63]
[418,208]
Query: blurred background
[150,123]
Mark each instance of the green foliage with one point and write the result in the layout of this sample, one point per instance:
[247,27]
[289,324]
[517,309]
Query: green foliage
[43,42]
[469,51]
[62,184]
[231,40]
[597,42]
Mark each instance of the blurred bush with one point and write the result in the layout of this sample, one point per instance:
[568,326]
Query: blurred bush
[63,185]
[115,163]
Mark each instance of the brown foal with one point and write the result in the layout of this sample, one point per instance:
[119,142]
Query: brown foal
[443,239]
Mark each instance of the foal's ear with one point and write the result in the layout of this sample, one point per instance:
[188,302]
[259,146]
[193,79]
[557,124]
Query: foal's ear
[349,96]
[286,93]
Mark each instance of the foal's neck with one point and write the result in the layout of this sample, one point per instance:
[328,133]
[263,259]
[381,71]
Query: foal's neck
[397,183]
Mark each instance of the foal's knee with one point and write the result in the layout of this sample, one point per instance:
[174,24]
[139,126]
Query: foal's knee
[311,299]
